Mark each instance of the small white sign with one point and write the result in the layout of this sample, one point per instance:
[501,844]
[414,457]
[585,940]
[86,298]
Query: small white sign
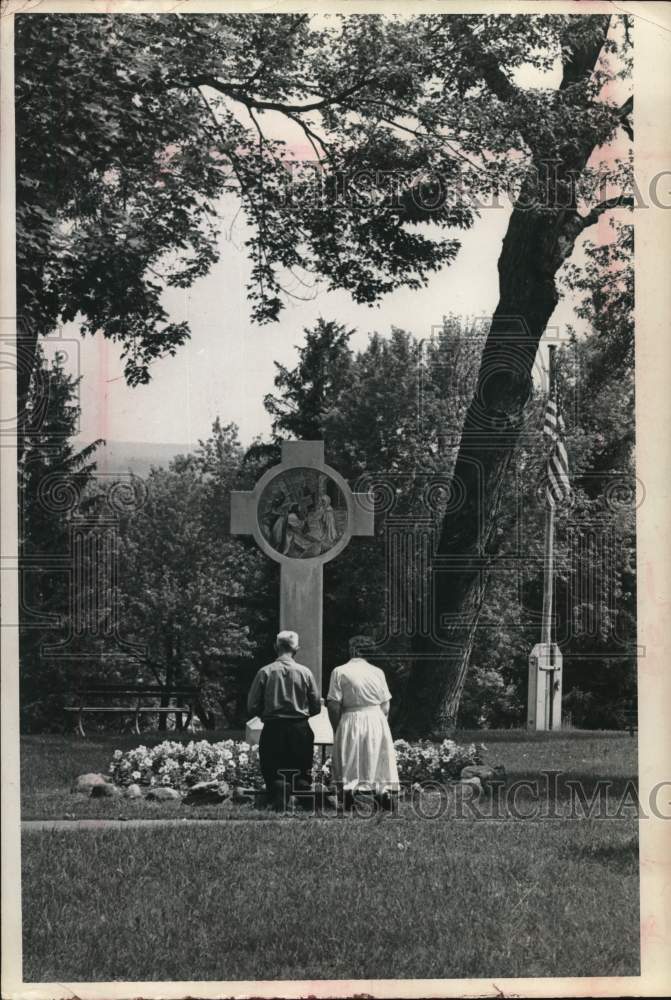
[321,727]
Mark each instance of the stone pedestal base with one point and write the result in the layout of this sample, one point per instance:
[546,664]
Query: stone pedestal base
[545,687]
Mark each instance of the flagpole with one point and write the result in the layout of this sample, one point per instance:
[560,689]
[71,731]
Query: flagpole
[545,659]
[548,575]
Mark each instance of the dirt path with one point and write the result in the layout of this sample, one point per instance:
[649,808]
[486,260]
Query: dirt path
[33,825]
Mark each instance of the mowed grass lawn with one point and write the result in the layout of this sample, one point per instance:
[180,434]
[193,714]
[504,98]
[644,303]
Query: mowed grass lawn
[320,900]
[395,897]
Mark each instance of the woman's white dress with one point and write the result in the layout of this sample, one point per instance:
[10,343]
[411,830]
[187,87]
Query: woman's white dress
[363,751]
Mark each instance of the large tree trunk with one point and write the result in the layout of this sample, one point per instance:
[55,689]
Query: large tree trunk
[537,241]
[490,432]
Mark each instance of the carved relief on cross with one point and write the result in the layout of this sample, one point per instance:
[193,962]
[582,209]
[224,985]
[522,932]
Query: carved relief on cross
[302,514]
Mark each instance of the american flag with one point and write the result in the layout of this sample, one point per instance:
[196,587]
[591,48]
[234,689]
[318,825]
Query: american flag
[558,487]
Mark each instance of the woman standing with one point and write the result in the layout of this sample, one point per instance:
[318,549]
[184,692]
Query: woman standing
[358,706]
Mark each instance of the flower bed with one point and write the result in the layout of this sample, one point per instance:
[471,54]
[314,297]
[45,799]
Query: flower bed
[425,761]
[182,765]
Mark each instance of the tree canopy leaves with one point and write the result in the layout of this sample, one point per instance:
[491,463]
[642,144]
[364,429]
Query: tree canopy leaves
[131,128]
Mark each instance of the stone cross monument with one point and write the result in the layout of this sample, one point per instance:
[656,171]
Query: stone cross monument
[302,514]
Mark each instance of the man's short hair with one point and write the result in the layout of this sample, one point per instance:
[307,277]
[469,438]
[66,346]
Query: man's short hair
[287,641]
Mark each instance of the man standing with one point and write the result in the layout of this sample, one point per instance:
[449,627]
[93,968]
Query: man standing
[284,695]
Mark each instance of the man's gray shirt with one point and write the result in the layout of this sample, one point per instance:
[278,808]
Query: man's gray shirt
[284,690]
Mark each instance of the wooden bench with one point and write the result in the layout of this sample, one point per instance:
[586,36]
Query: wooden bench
[181,701]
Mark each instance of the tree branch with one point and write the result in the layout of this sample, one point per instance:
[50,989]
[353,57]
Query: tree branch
[312,137]
[301,20]
[575,223]
[593,216]
[430,135]
[259,105]
[584,47]
[487,64]
[624,114]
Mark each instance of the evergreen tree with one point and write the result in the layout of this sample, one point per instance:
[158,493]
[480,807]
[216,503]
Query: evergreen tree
[308,392]
[56,486]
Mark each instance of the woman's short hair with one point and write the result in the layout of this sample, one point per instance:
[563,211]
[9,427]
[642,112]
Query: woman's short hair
[358,643]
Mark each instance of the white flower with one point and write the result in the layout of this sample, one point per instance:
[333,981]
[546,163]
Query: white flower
[136,775]
[118,754]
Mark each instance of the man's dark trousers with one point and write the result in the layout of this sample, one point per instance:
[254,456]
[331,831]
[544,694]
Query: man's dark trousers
[286,745]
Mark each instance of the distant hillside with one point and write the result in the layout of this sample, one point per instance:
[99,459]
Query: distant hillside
[136,456]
